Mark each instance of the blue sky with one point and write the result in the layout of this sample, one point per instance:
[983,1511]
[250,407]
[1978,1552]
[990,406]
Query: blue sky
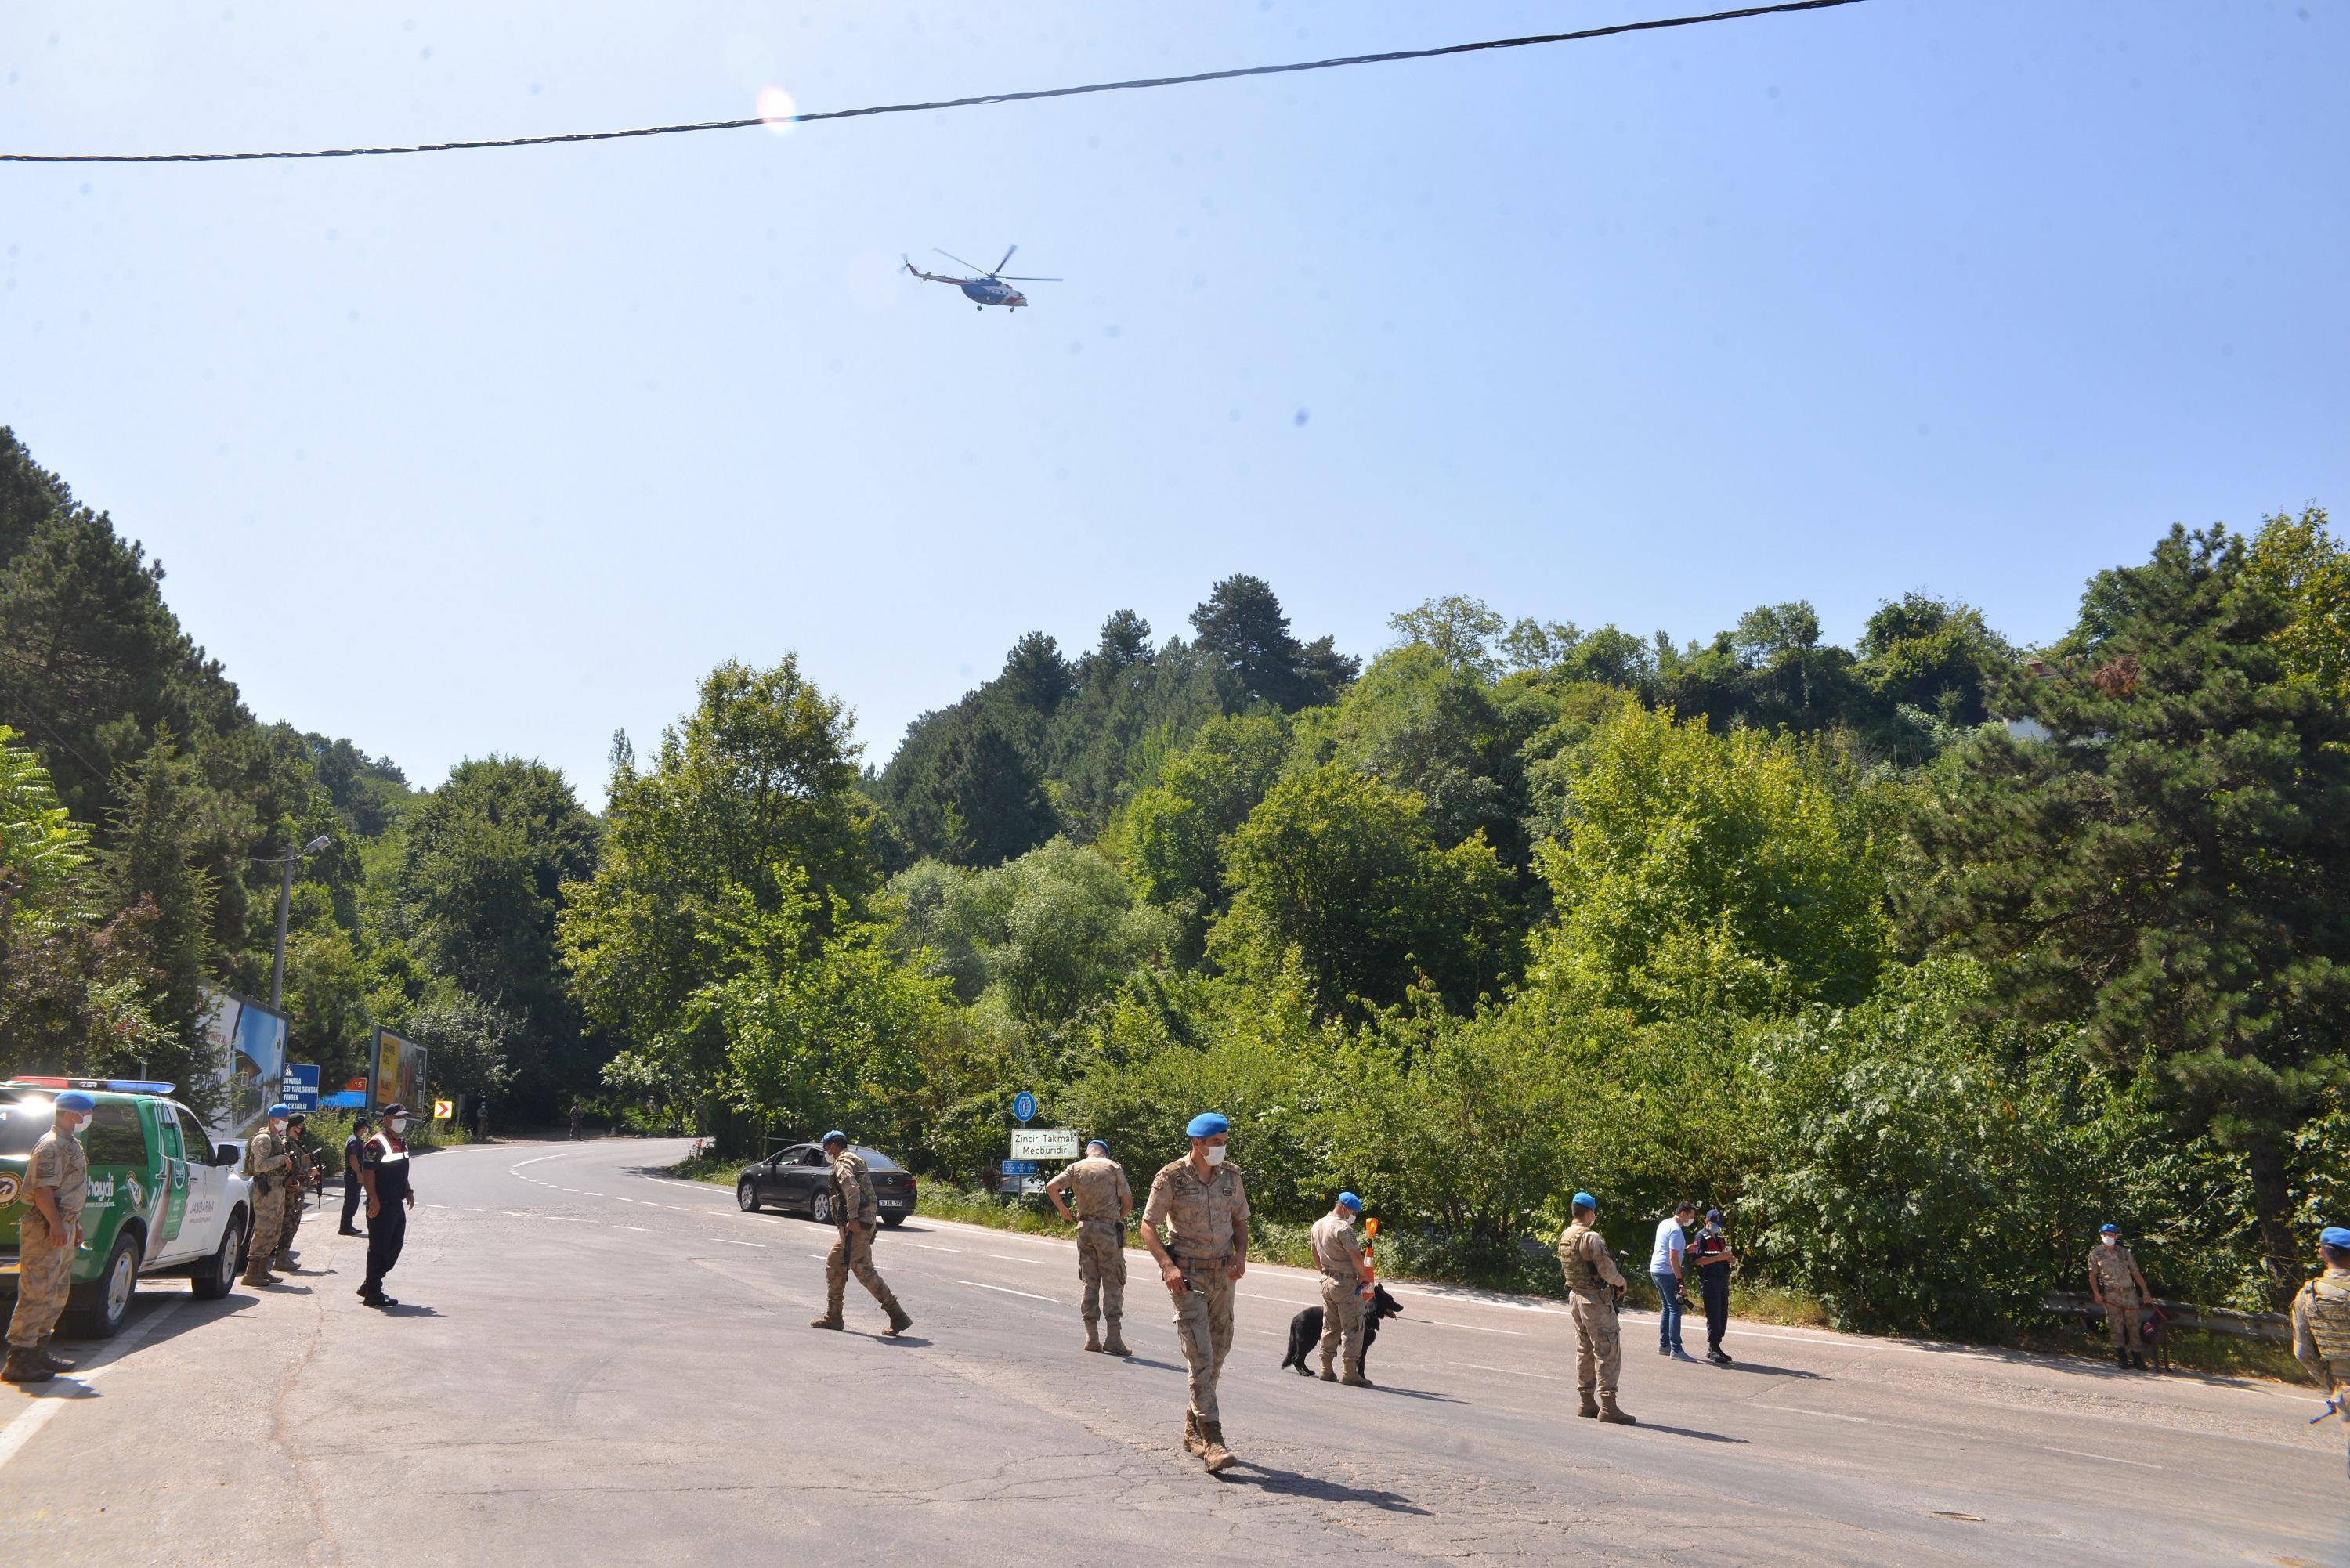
[500,451]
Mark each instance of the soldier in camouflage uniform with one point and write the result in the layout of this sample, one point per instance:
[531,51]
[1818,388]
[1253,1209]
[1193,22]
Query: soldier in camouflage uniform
[1204,1206]
[267,1163]
[2116,1285]
[300,1177]
[56,1182]
[1104,1201]
[1595,1288]
[2321,1321]
[855,1212]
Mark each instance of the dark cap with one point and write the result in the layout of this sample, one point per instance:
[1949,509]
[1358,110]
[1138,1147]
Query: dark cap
[394,1109]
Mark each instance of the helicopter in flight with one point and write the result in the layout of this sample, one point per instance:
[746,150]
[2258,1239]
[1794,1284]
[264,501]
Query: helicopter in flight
[990,287]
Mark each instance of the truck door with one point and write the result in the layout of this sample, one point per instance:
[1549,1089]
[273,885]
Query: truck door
[207,1186]
[174,1174]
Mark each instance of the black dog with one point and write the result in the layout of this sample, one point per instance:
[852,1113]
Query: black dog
[1306,1329]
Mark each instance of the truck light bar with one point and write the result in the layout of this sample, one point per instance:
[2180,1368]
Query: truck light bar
[113,1086]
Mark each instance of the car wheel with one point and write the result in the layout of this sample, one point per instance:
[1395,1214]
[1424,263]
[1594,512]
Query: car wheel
[893,1221]
[820,1207]
[216,1278]
[746,1196]
[100,1306]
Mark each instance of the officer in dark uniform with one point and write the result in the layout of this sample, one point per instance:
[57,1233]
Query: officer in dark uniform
[383,1170]
[353,1187]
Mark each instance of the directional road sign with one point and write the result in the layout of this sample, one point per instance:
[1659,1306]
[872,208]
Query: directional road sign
[299,1088]
[1019,1168]
[1024,1106]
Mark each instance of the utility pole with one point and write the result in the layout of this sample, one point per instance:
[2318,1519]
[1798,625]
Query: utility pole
[286,898]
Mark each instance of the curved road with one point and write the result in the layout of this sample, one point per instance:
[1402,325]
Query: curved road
[597,1365]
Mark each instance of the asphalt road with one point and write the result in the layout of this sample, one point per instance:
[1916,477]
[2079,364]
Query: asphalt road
[594,1365]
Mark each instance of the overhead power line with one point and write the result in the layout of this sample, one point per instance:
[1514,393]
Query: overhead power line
[1655,25]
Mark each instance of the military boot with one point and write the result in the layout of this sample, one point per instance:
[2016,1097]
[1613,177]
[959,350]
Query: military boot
[51,1359]
[831,1318]
[1093,1334]
[2121,1358]
[284,1262]
[259,1275]
[1116,1343]
[1212,1453]
[1191,1443]
[900,1319]
[1329,1373]
[1355,1378]
[1589,1406]
[2137,1362]
[1611,1412]
[25,1366]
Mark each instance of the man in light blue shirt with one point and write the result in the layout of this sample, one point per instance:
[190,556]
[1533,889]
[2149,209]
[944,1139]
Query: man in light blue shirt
[1665,1269]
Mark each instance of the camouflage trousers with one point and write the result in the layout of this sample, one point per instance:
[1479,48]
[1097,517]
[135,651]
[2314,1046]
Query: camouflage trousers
[2126,1322]
[1342,1324]
[268,1223]
[852,1253]
[1203,1326]
[293,1223]
[1101,1269]
[43,1278]
[1599,1343]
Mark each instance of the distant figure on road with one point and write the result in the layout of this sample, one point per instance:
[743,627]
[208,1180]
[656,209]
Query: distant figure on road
[2116,1285]
[1104,1201]
[1596,1288]
[1709,1254]
[576,1116]
[2320,1320]
[482,1121]
[267,1163]
[1203,1205]
[353,1189]
[1665,1273]
[56,1182]
[301,1175]
[383,1170]
[855,1211]
[1338,1254]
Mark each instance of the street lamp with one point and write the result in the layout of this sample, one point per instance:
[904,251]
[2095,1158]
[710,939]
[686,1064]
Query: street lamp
[284,898]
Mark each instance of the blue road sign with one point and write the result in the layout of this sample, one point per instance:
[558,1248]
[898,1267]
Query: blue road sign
[349,1100]
[300,1086]
[1024,1106]
[1020,1168]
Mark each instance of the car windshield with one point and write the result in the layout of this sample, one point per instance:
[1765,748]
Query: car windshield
[22,1122]
[875,1161]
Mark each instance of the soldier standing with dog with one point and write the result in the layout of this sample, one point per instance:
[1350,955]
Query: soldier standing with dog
[1344,1277]
[1103,1202]
[1204,1206]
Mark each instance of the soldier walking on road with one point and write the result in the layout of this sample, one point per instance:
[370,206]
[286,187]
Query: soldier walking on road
[1344,1277]
[1204,1206]
[855,1212]
[353,1189]
[1103,1202]
[1596,1288]
[2321,1322]
[265,1161]
[383,1171]
[301,1175]
[2116,1285]
[57,1181]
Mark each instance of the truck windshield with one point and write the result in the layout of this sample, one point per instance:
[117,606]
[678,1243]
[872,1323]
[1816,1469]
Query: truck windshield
[22,1122]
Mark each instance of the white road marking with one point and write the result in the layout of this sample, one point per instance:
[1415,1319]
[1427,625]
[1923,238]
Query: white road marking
[18,1432]
[1010,1258]
[2084,1454]
[1471,1327]
[1822,1415]
[1509,1371]
[1005,1290]
[646,1229]
[926,1247]
[730,1241]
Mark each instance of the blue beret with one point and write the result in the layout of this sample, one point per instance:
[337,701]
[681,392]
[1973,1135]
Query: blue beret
[75,1100]
[1101,1144]
[1714,1216]
[2109,1230]
[835,1136]
[1585,1201]
[1348,1200]
[280,1109]
[2332,1236]
[1207,1124]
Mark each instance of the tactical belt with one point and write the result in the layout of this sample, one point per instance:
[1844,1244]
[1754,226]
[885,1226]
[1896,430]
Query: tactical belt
[1192,1260]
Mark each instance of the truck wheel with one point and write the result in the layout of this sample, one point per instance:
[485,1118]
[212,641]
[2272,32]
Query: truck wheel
[215,1278]
[101,1306]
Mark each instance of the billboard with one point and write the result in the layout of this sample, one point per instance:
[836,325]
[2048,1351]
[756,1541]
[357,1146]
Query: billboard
[397,1071]
[245,1047]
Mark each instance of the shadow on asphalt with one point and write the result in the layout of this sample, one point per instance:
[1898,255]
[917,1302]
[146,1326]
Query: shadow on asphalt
[1162,1365]
[1646,1426]
[1289,1483]
[1766,1370]
[407,1309]
[1414,1394]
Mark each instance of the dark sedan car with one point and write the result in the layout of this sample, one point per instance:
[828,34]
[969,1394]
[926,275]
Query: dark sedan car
[799,1179]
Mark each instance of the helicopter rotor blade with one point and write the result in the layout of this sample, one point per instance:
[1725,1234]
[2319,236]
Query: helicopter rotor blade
[960,262]
[1015,277]
[1006,261]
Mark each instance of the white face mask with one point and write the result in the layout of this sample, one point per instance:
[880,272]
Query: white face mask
[1215,1155]
[398,1124]
[2111,1240]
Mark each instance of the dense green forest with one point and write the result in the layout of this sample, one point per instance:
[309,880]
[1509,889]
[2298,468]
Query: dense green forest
[1921,957]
